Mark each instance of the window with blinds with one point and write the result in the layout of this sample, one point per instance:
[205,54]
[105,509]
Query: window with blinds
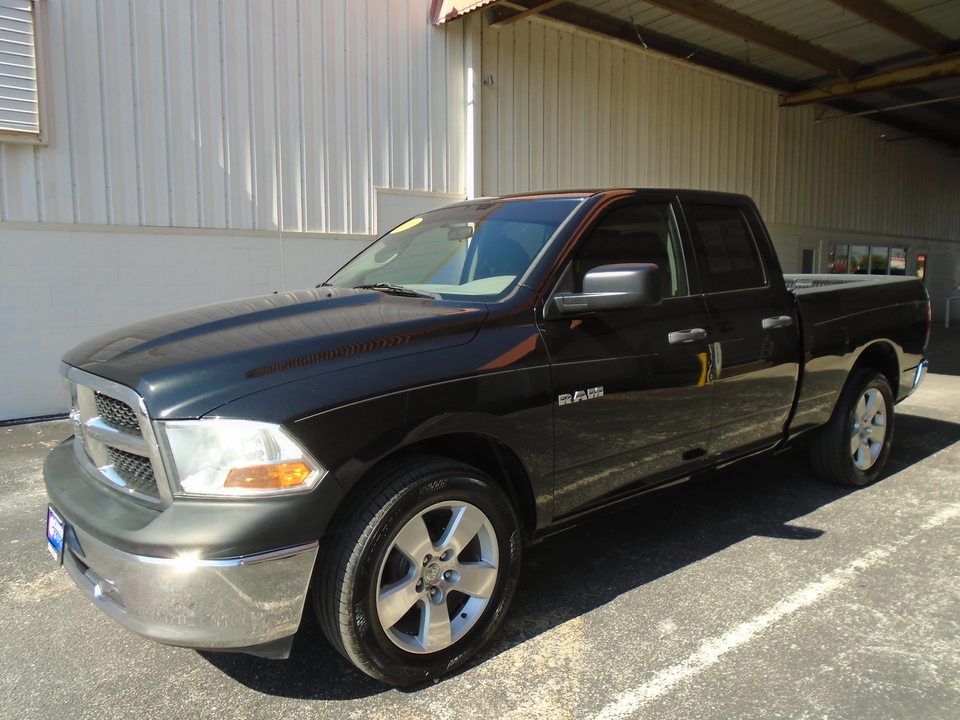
[19,96]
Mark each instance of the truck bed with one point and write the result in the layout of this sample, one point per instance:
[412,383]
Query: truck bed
[807,283]
[841,317]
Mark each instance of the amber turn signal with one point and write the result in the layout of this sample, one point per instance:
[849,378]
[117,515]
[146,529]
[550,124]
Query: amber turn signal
[267,477]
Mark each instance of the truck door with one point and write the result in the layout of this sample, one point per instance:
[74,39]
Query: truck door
[632,398]
[754,334]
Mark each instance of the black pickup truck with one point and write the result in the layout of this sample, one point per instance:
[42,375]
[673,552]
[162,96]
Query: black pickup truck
[476,379]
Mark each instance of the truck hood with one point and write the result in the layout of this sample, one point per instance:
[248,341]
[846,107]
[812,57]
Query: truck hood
[189,363]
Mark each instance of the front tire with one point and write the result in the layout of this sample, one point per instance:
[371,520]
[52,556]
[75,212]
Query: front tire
[422,575]
[852,448]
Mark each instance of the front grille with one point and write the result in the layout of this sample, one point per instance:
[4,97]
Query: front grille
[117,414]
[135,470]
[115,441]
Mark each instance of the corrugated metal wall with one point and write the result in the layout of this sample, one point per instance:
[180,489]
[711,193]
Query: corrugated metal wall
[285,114]
[547,121]
[570,109]
[839,174]
[239,114]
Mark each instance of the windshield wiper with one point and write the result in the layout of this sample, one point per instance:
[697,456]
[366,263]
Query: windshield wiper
[397,290]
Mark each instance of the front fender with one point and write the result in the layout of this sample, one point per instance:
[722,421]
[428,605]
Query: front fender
[351,439]
[496,386]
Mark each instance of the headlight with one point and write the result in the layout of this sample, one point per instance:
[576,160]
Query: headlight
[238,458]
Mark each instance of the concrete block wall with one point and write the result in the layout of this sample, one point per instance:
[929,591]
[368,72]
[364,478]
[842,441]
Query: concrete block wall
[61,285]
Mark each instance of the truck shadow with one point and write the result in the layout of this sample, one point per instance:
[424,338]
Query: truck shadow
[588,566]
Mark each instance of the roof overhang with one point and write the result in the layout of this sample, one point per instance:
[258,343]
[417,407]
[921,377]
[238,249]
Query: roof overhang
[443,10]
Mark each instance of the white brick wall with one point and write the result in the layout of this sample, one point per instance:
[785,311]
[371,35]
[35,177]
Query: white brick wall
[61,285]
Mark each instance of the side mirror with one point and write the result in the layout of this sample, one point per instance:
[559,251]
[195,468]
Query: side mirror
[614,287]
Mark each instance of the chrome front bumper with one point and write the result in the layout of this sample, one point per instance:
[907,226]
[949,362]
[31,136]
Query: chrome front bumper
[251,603]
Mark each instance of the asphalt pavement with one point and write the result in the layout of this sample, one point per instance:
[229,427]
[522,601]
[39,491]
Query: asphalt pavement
[754,592]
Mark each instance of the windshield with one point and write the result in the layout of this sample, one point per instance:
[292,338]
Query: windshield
[472,252]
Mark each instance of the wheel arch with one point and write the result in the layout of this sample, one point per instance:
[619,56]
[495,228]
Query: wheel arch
[488,454]
[882,357]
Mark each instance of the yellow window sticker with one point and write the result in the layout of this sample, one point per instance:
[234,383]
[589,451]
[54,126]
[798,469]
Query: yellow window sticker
[407,225]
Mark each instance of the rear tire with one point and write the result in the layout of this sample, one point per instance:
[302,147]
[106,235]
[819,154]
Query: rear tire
[421,572]
[852,448]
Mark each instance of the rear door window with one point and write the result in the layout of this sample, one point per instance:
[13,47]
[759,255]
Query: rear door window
[727,247]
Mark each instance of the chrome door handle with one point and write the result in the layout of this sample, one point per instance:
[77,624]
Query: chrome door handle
[772,323]
[678,337]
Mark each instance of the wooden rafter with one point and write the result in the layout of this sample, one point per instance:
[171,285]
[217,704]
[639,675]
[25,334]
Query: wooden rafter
[943,68]
[899,23]
[543,5]
[730,21]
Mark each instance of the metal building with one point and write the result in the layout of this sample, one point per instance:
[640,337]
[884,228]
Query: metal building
[160,154]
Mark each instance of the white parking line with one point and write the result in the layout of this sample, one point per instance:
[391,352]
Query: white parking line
[712,650]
